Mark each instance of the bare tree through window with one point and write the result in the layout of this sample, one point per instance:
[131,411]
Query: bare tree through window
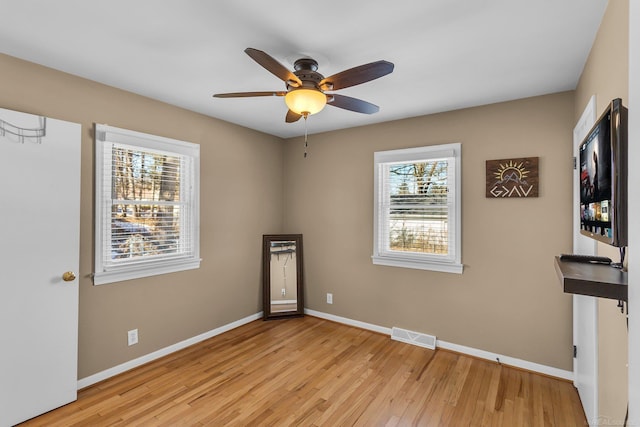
[145,216]
[418,207]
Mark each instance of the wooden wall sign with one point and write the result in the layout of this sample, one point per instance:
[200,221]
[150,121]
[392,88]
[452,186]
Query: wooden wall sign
[508,178]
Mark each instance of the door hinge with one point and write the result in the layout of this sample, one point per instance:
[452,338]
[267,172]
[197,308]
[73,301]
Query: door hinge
[575,351]
[575,163]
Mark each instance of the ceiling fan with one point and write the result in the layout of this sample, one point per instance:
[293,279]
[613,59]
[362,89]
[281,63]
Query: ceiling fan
[305,94]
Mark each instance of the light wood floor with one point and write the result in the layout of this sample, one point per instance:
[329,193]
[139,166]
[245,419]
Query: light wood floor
[311,372]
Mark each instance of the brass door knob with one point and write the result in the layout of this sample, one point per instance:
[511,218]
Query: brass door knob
[69,276]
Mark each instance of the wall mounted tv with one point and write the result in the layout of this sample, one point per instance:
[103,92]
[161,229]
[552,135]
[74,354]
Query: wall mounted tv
[603,177]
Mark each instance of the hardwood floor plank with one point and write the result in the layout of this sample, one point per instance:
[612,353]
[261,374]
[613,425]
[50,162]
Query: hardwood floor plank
[313,372]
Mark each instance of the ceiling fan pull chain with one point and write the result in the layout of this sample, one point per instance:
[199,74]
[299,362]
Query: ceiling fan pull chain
[306,143]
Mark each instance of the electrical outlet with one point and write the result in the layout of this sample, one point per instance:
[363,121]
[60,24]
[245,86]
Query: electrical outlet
[284,292]
[132,337]
[329,298]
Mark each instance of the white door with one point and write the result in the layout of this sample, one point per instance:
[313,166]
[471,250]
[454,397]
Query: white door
[39,242]
[585,308]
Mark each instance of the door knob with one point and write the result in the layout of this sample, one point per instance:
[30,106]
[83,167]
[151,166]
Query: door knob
[69,276]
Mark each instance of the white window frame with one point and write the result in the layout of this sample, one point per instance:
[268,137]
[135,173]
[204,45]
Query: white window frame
[106,272]
[382,255]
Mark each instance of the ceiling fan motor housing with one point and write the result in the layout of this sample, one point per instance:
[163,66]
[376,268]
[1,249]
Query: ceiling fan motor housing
[305,70]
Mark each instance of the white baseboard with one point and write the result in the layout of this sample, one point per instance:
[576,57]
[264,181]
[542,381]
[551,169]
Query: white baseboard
[350,322]
[108,373]
[507,360]
[481,354]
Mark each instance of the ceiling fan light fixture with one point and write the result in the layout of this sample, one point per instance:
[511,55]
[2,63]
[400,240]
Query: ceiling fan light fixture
[305,101]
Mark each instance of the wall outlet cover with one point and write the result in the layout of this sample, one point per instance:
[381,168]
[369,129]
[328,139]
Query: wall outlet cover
[132,337]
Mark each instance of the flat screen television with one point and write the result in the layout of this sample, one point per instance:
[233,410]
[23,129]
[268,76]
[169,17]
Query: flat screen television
[603,177]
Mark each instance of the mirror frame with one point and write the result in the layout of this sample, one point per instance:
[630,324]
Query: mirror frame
[266,276]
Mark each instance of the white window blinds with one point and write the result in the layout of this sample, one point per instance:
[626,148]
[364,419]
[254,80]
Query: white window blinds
[417,208]
[146,205]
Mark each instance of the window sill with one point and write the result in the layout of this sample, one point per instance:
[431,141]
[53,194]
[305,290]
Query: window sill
[449,267]
[128,273]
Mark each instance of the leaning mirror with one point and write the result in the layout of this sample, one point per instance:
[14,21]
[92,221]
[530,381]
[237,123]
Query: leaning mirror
[282,275]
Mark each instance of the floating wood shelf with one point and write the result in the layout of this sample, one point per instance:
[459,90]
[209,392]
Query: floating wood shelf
[595,280]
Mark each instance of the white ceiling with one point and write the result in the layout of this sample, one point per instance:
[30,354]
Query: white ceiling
[448,54]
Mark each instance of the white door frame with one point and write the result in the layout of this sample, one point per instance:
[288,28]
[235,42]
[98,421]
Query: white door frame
[634,205]
[585,308]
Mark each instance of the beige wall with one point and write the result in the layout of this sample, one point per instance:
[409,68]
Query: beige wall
[606,74]
[509,299]
[241,186]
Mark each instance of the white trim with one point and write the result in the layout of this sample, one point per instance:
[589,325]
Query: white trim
[146,270]
[108,272]
[482,354]
[585,308]
[452,262]
[350,322]
[633,206]
[148,141]
[108,373]
[419,264]
[507,360]
[408,155]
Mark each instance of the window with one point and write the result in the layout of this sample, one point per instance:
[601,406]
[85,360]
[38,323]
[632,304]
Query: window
[417,208]
[147,205]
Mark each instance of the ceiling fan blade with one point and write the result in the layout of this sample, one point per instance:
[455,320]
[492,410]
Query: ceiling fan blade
[352,104]
[248,94]
[292,117]
[273,66]
[357,75]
